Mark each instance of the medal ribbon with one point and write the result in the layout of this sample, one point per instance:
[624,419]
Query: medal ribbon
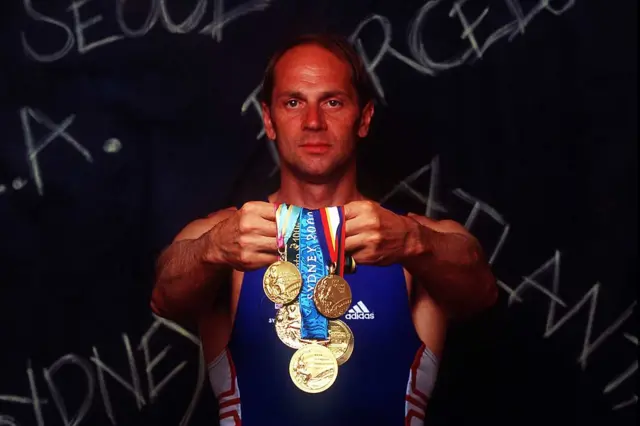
[313,325]
[332,235]
[286,219]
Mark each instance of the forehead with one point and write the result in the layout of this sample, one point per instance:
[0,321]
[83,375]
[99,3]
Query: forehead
[312,67]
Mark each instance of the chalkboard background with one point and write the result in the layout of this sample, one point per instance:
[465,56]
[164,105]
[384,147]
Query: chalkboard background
[124,120]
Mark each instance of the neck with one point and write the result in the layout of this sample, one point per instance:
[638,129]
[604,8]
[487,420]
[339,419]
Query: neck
[335,192]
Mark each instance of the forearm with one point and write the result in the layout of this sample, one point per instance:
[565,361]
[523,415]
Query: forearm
[185,281]
[452,267]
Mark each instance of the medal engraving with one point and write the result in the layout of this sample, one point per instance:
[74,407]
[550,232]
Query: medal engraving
[332,296]
[313,368]
[341,341]
[288,325]
[282,282]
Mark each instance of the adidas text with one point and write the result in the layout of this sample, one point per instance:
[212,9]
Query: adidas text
[361,315]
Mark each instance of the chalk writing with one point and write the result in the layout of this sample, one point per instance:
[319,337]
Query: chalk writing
[535,279]
[35,148]
[95,372]
[83,19]
[253,102]
[57,133]
[419,59]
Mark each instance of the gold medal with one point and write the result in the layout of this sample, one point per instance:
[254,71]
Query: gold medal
[332,295]
[341,341]
[282,282]
[313,368]
[288,325]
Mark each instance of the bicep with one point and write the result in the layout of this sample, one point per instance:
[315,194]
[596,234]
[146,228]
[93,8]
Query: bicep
[199,227]
[443,226]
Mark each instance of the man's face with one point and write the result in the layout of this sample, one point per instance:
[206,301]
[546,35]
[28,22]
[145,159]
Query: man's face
[314,115]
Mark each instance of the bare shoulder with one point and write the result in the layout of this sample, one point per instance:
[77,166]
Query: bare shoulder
[444,226]
[198,227]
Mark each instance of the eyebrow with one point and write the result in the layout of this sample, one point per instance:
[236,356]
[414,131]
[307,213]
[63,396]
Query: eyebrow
[323,95]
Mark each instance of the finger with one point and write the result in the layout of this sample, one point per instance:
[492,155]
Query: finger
[262,244]
[264,227]
[356,208]
[260,260]
[352,210]
[355,243]
[356,225]
[260,208]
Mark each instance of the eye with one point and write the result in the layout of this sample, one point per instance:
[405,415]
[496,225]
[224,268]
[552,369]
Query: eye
[333,103]
[292,103]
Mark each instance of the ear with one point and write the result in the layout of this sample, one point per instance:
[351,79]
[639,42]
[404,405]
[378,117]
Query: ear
[365,119]
[269,128]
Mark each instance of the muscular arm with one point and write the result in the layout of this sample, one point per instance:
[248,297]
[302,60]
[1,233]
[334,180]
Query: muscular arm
[187,280]
[449,262]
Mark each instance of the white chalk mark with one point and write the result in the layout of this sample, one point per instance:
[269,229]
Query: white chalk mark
[134,371]
[371,65]
[370,70]
[198,390]
[557,12]
[613,384]
[18,183]
[522,21]
[626,403]
[6,420]
[3,189]
[112,146]
[588,348]
[154,389]
[431,201]
[34,148]
[150,21]
[253,101]
[220,18]
[19,399]
[80,26]
[547,292]
[189,24]
[631,338]
[516,10]
[481,206]
[512,294]
[530,281]
[417,48]
[135,389]
[382,51]
[55,393]
[103,387]
[30,52]
[37,410]
[175,327]
[468,29]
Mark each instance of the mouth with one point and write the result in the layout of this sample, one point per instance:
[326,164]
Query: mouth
[316,147]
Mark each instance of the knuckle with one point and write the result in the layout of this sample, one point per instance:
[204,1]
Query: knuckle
[244,241]
[374,222]
[247,208]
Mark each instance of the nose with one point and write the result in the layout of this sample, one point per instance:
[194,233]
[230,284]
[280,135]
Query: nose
[314,118]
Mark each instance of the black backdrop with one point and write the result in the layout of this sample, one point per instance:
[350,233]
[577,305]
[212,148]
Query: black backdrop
[123,120]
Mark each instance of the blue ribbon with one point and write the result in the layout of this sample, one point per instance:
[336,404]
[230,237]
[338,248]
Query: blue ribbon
[313,325]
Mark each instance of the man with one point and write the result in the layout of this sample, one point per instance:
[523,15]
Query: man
[413,273]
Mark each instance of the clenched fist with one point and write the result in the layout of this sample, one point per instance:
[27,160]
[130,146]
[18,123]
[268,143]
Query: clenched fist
[374,235]
[246,239]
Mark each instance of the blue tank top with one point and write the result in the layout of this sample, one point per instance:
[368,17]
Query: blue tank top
[377,385]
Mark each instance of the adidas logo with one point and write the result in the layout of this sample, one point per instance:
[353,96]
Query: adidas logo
[359,311]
